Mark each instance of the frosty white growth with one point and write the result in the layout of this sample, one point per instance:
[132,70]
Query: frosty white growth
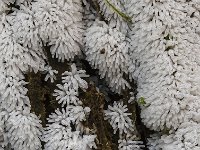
[153,42]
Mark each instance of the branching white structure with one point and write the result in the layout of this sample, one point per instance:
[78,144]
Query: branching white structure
[18,55]
[118,117]
[73,78]
[154,42]
[66,96]
[3,136]
[186,137]
[25,27]
[58,134]
[165,45]
[50,73]
[115,13]
[60,26]
[130,145]
[24,130]
[107,50]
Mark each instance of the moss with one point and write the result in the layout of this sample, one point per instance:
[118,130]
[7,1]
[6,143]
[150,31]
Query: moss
[106,140]
[40,92]
[43,103]
[165,130]
[141,101]
[36,93]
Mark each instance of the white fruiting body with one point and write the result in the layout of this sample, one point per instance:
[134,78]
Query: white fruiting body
[153,42]
[118,117]
[107,49]
[58,134]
